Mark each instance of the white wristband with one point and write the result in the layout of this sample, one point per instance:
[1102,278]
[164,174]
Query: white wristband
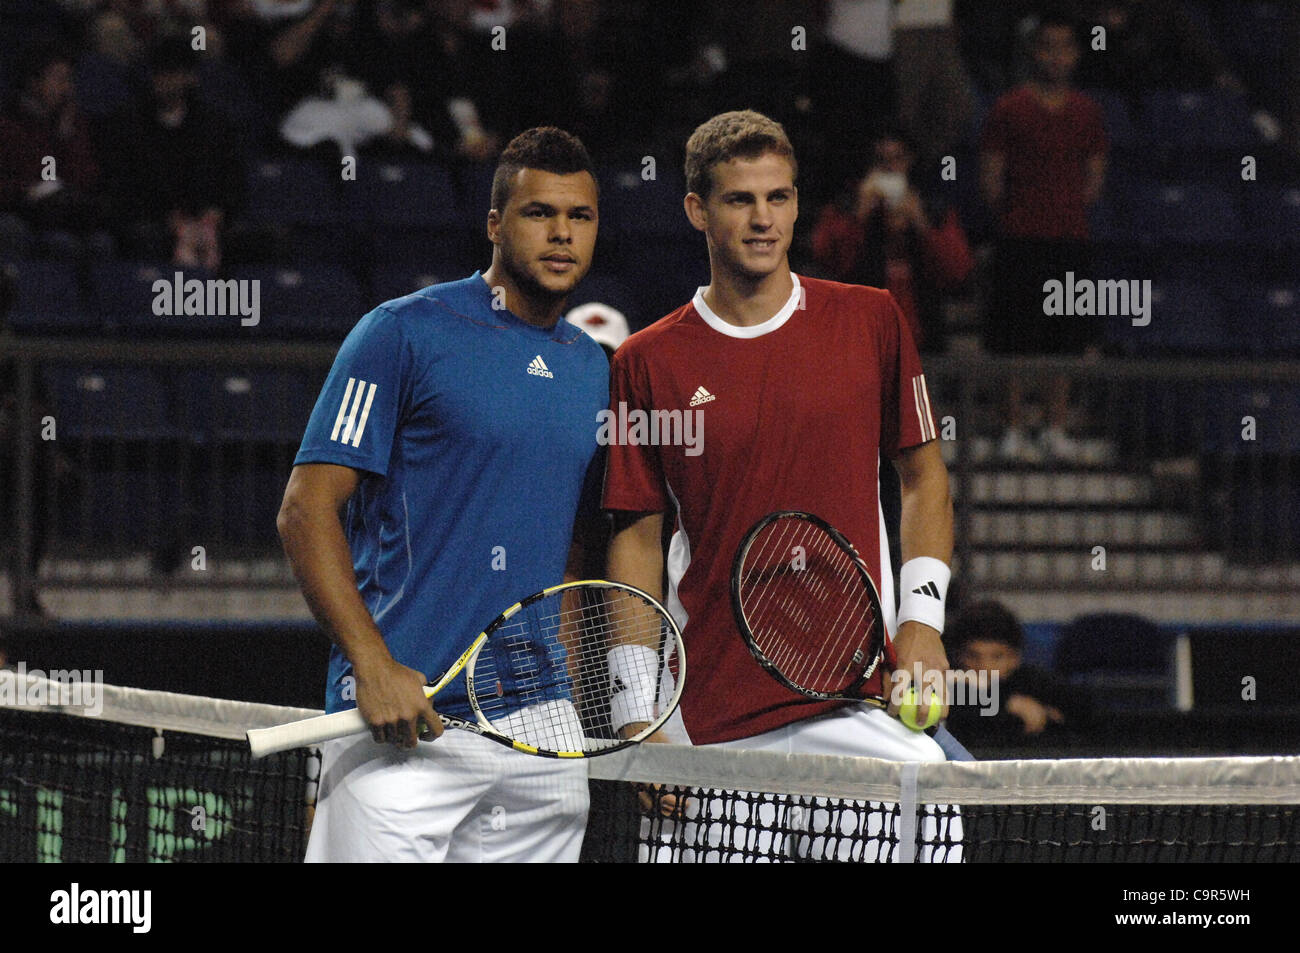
[632,674]
[923,583]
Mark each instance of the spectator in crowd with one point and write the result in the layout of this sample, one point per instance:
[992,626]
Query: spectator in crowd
[853,82]
[176,170]
[323,63]
[111,68]
[1152,44]
[1033,705]
[1043,163]
[887,240]
[604,324]
[935,99]
[49,178]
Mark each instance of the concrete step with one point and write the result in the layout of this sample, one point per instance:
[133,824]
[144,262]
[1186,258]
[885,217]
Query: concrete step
[1094,452]
[1084,529]
[1209,572]
[1077,488]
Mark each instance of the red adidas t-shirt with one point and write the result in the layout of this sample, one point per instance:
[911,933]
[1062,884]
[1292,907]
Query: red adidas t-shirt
[794,413]
[1047,153]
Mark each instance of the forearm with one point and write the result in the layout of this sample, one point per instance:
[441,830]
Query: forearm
[318,553]
[926,523]
[635,555]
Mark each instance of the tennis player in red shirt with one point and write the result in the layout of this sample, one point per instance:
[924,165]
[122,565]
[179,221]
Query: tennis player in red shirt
[798,384]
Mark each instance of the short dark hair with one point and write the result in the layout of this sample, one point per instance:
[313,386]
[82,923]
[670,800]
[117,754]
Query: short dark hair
[741,134]
[989,621]
[545,148]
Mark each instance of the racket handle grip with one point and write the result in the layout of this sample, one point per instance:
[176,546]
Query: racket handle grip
[310,731]
[302,734]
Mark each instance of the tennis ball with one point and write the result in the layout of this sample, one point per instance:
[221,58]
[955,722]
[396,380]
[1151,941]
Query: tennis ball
[907,712]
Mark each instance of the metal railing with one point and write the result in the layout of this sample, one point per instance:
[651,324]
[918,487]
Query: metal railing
[1184,477]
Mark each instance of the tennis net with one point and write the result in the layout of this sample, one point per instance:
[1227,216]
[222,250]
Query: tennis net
[155,776]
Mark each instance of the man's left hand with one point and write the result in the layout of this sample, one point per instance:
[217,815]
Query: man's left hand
[917,645]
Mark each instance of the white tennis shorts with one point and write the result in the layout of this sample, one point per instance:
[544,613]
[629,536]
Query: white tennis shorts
[460,798]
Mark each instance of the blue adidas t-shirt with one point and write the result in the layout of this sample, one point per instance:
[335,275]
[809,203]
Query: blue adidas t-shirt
[476,432]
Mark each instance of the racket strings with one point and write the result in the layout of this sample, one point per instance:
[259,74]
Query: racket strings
[806,606]
[544,677]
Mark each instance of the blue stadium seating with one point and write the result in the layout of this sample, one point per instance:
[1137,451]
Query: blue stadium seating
[1265,318]
[254,405]
[48,299]
[400,195]
[1273,214]
[124,297]
[1162,213]
[293,191]
[309,300]
[1125,661]
[1186,318]
[1180,120]
[105,402]
[1274,406]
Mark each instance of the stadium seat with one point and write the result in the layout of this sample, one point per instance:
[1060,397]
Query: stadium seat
[1265,317]
[1273,406]
[1124,661]
[310,300]
[400,195]
[124,296]
[241,405]
[1186,318]
[1178,120]
[104,402]
[1273,214]
[47,299]
[1162,213]
[293,191]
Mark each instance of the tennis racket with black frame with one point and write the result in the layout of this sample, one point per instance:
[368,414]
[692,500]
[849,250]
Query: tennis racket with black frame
[810,613]
[560,674]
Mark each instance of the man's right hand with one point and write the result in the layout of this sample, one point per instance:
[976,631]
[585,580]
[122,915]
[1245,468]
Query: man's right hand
[391,698]
[654,799]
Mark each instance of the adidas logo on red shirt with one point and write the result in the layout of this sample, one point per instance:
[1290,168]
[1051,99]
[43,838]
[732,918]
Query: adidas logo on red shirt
[702,396]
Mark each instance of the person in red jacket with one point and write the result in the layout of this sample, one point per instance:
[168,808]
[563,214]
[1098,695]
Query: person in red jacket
[49,200]
[888,240]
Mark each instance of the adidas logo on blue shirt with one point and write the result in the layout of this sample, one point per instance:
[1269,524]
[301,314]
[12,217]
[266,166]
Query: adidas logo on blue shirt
[539,368]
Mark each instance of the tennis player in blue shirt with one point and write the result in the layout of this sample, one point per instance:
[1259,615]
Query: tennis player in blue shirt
[458,425]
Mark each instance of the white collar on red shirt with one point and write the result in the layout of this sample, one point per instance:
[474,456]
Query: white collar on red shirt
[754,330]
